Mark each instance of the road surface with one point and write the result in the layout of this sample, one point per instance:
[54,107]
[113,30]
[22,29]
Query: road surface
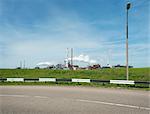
[72,100]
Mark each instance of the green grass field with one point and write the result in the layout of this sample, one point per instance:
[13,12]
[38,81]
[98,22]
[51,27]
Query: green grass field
[137,74]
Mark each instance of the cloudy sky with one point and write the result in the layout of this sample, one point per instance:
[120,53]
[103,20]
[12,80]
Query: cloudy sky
[41,30]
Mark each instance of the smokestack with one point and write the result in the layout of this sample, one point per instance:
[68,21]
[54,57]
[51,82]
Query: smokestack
[72,58]
[67,57]
[24,64]
[67,53]
[21,64]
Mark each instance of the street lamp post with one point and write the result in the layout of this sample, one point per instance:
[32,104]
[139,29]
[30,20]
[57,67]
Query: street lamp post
[127,67]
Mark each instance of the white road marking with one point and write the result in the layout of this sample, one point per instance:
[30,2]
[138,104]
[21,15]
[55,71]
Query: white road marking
[41,97]
[4,95]
[114,104]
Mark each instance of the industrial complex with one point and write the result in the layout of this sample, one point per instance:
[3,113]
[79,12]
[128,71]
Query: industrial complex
[72,62]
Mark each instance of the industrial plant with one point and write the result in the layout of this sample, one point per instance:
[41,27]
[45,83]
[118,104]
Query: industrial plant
[71,62]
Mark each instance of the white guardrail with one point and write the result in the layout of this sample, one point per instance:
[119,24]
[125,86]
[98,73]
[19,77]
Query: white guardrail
[121,82]
[81,80]
[15,79]
[131,82]
[47,79]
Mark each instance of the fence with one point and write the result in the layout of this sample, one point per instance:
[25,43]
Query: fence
[129,82]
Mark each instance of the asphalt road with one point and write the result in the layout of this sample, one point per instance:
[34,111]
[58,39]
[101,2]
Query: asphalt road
[72,100]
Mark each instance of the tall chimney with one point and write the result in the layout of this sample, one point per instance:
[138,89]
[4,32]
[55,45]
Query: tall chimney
[21,64]
[24,64]
[72,58]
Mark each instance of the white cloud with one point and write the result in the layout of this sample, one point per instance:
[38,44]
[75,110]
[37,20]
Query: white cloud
[44,64]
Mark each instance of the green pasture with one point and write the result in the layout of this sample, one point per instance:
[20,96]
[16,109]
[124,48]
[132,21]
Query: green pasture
[137,74]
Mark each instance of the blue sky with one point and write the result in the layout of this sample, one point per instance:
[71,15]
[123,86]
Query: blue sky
[41,30]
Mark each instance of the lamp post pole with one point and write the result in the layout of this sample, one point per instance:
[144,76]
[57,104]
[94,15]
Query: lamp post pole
[127,66]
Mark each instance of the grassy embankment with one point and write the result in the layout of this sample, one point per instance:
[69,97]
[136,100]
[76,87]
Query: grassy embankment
[136,74]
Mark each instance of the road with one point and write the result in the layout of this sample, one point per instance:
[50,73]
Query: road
[72,100]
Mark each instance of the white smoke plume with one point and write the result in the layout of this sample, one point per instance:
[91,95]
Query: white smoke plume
[83,58]
[44,64]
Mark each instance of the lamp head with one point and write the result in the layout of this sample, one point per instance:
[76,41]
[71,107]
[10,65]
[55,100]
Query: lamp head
[128,5]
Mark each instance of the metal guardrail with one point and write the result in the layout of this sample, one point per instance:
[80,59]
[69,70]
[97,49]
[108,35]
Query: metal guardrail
[3,79]
[142,82]
[73,80]
[63,80]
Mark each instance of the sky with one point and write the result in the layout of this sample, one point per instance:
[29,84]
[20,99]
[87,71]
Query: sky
[41,30]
